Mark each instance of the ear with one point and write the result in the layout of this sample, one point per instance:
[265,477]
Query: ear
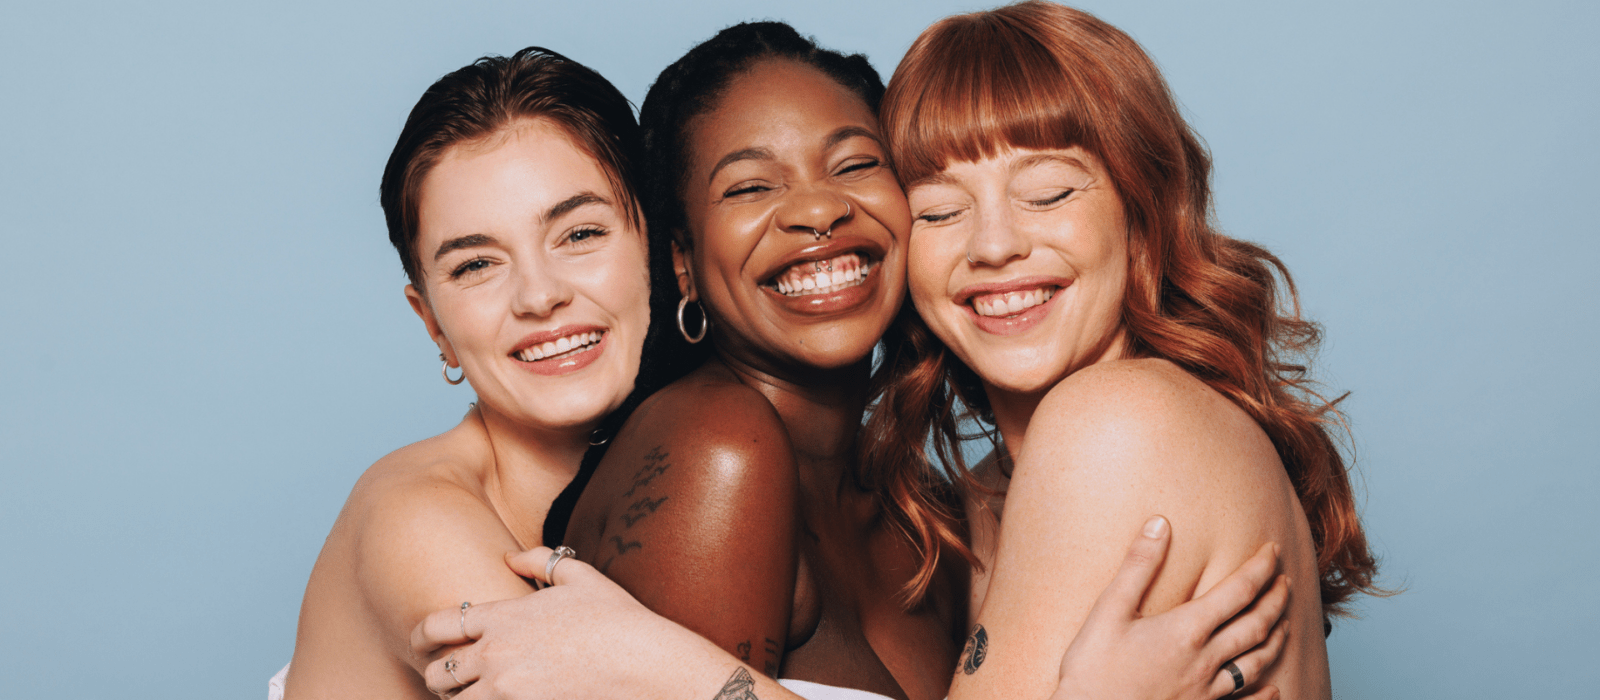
[424,311]
[685,273]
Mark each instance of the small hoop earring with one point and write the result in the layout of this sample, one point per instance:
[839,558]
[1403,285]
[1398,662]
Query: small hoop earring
[705,322]
[446,372]
[970,261]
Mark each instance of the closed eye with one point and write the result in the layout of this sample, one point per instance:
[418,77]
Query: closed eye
[936,217]
[1052,200]
[859,166]
[752,188]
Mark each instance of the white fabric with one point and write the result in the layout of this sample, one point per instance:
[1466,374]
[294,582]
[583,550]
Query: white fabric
[275,685]
[805,689]
[818,691]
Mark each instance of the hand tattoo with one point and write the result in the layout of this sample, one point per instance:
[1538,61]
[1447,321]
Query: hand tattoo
[976,650]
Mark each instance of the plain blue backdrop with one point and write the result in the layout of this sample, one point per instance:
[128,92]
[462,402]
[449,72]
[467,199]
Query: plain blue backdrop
[205,343]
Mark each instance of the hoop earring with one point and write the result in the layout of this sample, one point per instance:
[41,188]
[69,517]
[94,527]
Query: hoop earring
[705,322]
[446,372]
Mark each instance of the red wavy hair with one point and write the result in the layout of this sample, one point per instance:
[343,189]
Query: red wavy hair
[1038,75]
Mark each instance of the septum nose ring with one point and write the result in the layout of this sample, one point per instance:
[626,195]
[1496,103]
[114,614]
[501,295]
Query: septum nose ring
[817,235]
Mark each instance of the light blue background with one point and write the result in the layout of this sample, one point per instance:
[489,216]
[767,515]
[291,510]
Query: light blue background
[204,339]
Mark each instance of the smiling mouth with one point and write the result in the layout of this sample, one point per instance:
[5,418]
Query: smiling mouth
[1011,303]
[560,347]
[822,276]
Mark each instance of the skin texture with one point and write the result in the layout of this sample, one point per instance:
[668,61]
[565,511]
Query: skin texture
[428,526]
[1099,440]
[761,540]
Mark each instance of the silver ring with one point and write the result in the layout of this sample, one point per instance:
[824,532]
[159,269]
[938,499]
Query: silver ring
[560,553]
[464,606]
[970,261]
[1238,678]
[817,235]
[450,666]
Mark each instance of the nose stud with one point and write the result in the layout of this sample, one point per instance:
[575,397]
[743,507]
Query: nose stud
[817,235]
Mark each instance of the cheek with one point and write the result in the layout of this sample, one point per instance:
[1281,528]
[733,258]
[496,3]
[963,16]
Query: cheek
[928,275]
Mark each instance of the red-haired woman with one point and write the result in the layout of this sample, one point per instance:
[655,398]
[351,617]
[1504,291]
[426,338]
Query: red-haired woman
[1132,359]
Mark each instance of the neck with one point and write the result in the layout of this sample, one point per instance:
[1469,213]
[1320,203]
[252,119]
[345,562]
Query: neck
[530,464]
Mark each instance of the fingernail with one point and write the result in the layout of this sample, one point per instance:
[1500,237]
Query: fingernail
[1155,527]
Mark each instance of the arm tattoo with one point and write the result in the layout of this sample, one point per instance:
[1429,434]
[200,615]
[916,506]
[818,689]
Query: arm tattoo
[625,547]
[774,652]
[977,649]
[744,651]
[740,686]
[641,508]
[655,464]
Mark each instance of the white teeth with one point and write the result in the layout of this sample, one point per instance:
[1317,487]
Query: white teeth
[823,276]
[1011,303]
[559,346]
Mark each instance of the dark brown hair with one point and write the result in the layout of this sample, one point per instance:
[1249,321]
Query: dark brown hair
[1041,76]
[491,94]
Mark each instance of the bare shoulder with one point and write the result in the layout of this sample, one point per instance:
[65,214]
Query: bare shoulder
[1148,414]
[723,425]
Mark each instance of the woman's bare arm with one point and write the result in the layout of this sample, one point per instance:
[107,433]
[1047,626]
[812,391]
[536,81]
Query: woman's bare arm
[409,541]
[1106,448]
[694,511]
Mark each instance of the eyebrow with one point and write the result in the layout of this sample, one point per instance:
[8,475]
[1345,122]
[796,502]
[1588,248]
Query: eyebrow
[1042,158]
[468,241]
[847,133]
[561,208]
[736,156]
[566,206]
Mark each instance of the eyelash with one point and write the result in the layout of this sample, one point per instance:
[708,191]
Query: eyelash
[592,231]
[860,165]
[462,269]
[1052,200]
[936,218]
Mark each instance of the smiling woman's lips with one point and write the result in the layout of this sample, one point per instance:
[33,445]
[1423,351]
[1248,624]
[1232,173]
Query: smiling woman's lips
[578,355]
[1011,308]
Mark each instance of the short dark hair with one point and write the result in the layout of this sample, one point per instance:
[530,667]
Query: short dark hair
[492,94]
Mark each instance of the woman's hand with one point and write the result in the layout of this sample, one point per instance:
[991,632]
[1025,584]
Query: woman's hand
[1179,654]
[582,637]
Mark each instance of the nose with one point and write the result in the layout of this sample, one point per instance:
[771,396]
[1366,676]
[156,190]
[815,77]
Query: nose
[997,240]
[539,289]
[814,213]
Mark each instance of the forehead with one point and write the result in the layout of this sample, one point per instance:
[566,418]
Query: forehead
[526,166]
[776,103]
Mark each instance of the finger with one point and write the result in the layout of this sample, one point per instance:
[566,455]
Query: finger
[1121,597]
[533,563]
[1253,664]
[530,563]
[1250,628]
[1268,693]
[456,669]
[442,628]
[1235,592]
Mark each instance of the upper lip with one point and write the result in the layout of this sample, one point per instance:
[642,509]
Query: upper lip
[823,250]
[965,295]
[552,335]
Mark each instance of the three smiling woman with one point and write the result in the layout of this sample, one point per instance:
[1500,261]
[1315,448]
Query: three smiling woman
[1132,360]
